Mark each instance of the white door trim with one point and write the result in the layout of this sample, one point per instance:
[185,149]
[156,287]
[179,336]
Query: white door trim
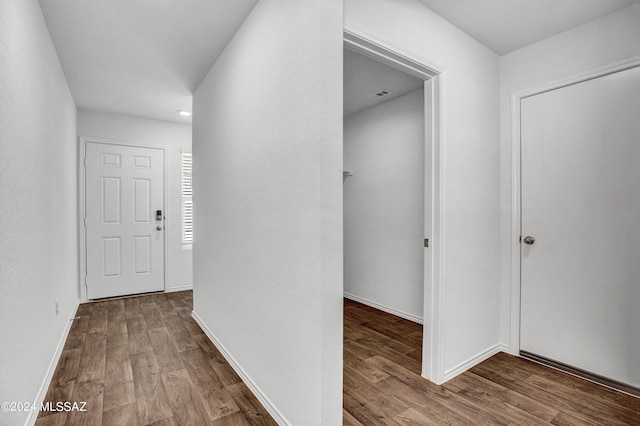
[384,50]
[516,175]
[82,253]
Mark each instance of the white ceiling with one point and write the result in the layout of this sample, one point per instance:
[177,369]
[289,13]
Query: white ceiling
[140,57]
[146,57]
[364,76]
[507,25]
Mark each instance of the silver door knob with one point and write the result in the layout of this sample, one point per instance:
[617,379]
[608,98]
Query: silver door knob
[159,228]
[529,240]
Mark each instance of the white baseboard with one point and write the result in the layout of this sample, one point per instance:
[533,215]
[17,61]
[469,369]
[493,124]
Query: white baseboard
[474,360]
[179,288]
[392,311]
[262,397]
[44,387]
[510,350]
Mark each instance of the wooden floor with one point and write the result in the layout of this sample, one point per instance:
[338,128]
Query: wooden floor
[143,360]
[382,385]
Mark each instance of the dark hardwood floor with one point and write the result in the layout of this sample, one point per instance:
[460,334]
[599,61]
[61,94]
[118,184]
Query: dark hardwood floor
[383,386]
[144,361]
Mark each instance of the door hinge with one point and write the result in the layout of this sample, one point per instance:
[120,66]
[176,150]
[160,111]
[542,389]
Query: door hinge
[426,242]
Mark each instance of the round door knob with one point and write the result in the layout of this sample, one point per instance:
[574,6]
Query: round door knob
[159,228]
[529,240]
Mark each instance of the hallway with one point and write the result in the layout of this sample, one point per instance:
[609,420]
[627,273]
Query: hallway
[143,360]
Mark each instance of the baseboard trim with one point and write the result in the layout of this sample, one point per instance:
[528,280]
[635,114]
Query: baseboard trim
[42,392]
[179,288]
[262,397]
[474,360]
[509,350]
[392,311]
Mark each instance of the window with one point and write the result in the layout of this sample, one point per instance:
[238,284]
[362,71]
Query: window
[187,202]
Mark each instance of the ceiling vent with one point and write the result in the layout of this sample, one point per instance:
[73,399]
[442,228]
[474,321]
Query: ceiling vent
[381,93]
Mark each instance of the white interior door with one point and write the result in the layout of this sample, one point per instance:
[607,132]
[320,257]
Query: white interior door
[580,295]
[124,189]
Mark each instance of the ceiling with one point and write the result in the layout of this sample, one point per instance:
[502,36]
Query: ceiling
[143,58]
[146,57]
[364,76]
[507,25]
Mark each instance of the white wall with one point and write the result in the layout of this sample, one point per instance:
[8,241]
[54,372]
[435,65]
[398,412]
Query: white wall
[38,204]
[267,144]
[597,43]
[177,138]
[471,169]
[384,205]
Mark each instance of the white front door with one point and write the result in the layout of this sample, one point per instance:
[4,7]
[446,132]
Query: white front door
[580,299]
[124,205]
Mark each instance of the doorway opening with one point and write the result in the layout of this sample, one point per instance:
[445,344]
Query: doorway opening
[392,204]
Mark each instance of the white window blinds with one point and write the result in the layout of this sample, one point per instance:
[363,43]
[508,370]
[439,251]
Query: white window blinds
[187,202]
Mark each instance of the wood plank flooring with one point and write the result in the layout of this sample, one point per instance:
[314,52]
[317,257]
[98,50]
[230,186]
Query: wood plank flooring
[382,385]
[144,361]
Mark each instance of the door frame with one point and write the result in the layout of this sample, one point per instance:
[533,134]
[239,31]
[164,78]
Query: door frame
[516,179]
[82,231]
[383,50]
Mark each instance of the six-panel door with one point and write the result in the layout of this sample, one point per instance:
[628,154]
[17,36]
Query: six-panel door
[125,237]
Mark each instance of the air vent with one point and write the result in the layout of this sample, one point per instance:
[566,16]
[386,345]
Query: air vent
[381,93]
